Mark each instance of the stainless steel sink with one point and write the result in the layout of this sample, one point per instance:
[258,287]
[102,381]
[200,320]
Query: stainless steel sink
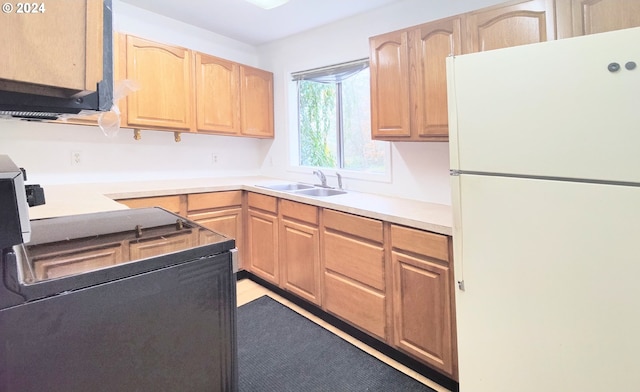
[287,187]
[321,192]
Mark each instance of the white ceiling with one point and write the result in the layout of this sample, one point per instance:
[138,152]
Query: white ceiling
[250,24]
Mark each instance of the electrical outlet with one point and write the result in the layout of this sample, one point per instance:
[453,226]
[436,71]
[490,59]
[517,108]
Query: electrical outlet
[76,158]
[214,158]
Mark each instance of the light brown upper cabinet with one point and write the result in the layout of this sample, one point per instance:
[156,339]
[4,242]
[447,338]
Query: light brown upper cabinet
[582,17]
[409,81]
[187,91]
[163,72]
[389,62]
[217,94]
[256,102]
[56,51]
[408,73]
[519,23]
[430,45]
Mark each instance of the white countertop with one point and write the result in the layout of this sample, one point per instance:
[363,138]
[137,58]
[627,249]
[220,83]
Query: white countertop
[87,198]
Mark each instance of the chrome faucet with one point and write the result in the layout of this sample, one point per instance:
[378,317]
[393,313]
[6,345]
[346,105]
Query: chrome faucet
[322,177]
[339,180]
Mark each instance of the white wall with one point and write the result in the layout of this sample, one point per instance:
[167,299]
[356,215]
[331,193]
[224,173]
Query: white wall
[419,170]
[45,149]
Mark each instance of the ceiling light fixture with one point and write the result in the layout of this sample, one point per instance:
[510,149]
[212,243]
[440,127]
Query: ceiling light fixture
[267,4]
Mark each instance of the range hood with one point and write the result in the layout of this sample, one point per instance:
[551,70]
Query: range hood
[62,65]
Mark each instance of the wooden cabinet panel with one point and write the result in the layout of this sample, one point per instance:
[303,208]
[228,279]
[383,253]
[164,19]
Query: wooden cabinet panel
[256,102]
[300,259]
[422,311]
[164,75]
[356,304]
[220,212]
[525,22]
[354,279]
[55,265]
[217,94]
[57,52]
[421,242]
[299,211]
[262,202]
[356,259]
[262,244]
[176,204]
[390,85]
[582,17]
[212,200]
[357,226]
[408,81]
[227,221]
[431,44]
[144,248]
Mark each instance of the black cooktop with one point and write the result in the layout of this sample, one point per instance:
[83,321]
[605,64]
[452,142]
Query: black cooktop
[73,252]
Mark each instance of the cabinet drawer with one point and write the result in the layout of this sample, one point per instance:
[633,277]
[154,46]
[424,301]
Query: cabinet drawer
[299,211]
[357,260]
[203,201]
[263,202]
[367,228]
[420,242]
[360,306]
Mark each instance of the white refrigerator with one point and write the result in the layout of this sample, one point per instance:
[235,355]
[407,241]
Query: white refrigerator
[545,159]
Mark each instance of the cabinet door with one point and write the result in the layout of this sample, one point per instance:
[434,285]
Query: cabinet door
[262,244]
[390,86]
[422,310]
[431,44]
[300,255]
[582,17]
[164,75]
[256,102]
[523,23]
[217,95]
[56,52]
[227,221]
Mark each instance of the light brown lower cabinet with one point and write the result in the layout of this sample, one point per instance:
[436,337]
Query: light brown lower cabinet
[354,271]
[300,250]
[394,283]
[262,236]
[220,212]
[423,309]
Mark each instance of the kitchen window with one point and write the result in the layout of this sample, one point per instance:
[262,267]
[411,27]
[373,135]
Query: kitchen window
[334,120]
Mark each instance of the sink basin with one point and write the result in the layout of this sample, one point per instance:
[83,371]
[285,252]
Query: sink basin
[287,187]
[321,192]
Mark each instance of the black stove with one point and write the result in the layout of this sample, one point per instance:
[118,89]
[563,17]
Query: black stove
[130,300]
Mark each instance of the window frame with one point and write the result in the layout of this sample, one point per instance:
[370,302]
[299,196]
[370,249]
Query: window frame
[294,165]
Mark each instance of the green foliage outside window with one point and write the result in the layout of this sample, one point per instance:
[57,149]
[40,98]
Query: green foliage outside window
[335,125]
[317,118]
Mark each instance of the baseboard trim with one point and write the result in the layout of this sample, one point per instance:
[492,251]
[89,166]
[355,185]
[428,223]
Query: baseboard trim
[384,348]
